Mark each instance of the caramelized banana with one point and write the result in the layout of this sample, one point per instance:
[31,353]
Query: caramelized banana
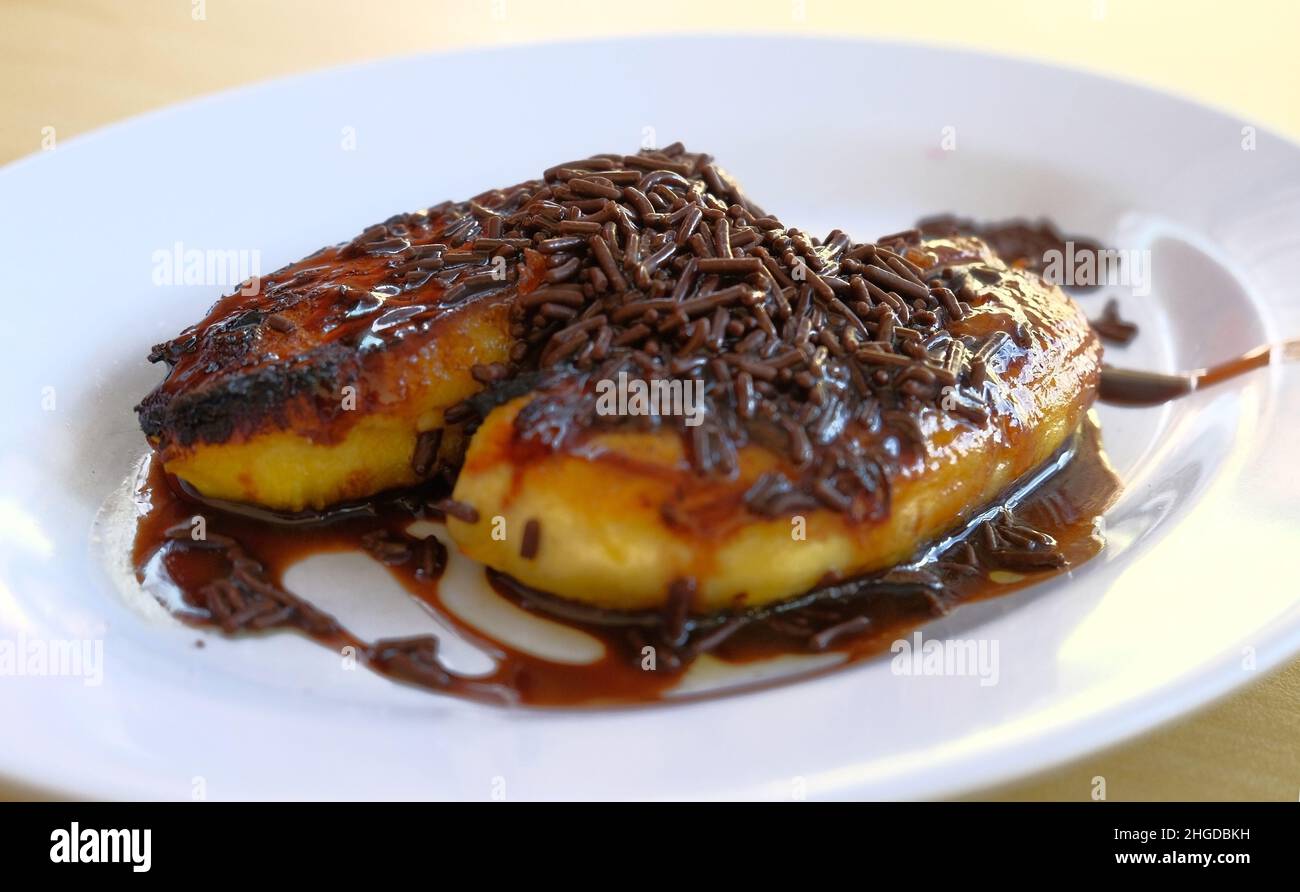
[622,515]
[317,387]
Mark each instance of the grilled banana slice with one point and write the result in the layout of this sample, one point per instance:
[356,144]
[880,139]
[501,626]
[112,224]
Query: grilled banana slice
[621,516]
[328,380]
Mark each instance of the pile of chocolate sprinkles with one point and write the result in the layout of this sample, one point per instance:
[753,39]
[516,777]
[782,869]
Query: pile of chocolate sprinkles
[654,264]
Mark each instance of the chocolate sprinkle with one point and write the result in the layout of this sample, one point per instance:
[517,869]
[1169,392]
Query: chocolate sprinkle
[532,539]
[426,452]
[458,510]
[279,323]
[1111,327]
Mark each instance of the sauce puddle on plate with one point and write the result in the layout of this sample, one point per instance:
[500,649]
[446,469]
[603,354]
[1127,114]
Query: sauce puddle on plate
[232,580]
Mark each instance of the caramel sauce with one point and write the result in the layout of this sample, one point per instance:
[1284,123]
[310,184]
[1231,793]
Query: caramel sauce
[1065,499]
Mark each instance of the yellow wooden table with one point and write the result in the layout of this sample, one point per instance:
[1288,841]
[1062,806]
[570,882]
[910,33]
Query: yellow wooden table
[73,66]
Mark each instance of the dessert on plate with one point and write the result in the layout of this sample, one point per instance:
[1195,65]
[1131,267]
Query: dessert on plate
[647,406]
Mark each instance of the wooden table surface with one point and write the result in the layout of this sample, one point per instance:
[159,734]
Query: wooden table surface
[75,66]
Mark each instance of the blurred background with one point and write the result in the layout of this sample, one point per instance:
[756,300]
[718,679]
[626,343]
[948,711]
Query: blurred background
[75,65]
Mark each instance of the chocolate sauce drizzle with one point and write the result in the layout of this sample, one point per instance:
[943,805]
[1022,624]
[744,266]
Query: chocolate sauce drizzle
[1131,387]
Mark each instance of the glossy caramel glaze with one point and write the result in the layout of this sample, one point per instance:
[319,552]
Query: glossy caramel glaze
[346,316]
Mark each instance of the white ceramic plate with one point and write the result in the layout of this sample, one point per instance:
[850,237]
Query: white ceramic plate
[1192,597]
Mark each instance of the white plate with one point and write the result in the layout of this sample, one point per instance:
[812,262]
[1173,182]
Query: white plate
[1191,598]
